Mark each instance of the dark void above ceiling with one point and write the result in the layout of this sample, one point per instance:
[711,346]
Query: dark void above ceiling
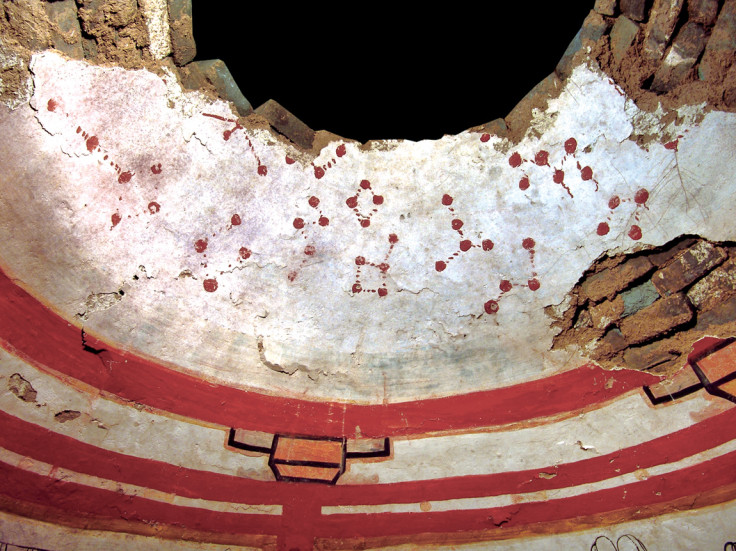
[365,73]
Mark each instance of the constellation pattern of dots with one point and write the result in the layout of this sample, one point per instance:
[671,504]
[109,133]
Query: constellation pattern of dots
[261,168]
[464,244]
[381,268]
[640,200]
[533,284]
[356,203]
[316,219]
[541,159]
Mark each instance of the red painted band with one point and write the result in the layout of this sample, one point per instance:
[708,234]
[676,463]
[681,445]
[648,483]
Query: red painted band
[36,334]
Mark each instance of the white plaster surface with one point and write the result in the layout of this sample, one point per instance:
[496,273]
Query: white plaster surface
[430,334]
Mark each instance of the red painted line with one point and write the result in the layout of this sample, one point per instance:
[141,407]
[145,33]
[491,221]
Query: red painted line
[36,334]
[30,440]
[656,491]
[96,503]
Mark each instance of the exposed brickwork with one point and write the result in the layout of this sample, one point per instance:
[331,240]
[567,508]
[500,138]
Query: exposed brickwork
[645,311]
[634,9]
[687,266]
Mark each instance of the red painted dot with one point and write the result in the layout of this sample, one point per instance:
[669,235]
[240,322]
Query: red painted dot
[125,177]
[533,284]
[641,196]
[210,285]
[586,173]
[571,146]
[505,286]
[298,223]
[635,232]
[360,260]
[319,172]
[262,170]
[200,245]
[383,267]
[357,288]
[485,137]
[528,243]
[309,250]
[614,202]
[465,245]
[153,207]
[365,223]
[291,276]
[672,145]
[365,184]
[51,105]
[235,220]
[92,143]
[352,202]
[487,244]
[115,218]
[491,307]
[323,221]
[244,253]
[382,292]
[313,201]
[515,160]
[156,169]
[603,228]
[558,177]
[340,151]
[393,238]
[541,158]
[440,265]
[457,224]
[289,160]
[524,183]
[378,199]
[447,200]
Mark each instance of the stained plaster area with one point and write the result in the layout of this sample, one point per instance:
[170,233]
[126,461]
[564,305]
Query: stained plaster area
[155,219]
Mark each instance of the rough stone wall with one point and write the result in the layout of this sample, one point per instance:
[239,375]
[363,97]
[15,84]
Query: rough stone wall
[646,310]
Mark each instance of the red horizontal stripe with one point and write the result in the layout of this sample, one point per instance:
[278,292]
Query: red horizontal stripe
[33,332]
[44,445]
[96,503]
[689,482]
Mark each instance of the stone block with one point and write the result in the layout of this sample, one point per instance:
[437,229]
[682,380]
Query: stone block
[622,36]
[634,9]
[681,57]
[606,7]
[638,298]
[611,343]
[658,318]
[659,354]
[66,33]
[611,280]
[658,31]
[721,48]
[181,31]
[604,314]
[594,27]
[663,257]
[721,314]
[287,124]
[216,73]
[702,11]
[688,266]
[715,287]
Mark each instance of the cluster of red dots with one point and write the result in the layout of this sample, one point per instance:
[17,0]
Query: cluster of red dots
[321,219]
[640,199]
[364,217]
[465,244]
[319,170]
[383,267]
[262,170]
[541,159]
[533,284]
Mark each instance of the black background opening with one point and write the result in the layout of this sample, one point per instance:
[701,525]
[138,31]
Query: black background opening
[367,73]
